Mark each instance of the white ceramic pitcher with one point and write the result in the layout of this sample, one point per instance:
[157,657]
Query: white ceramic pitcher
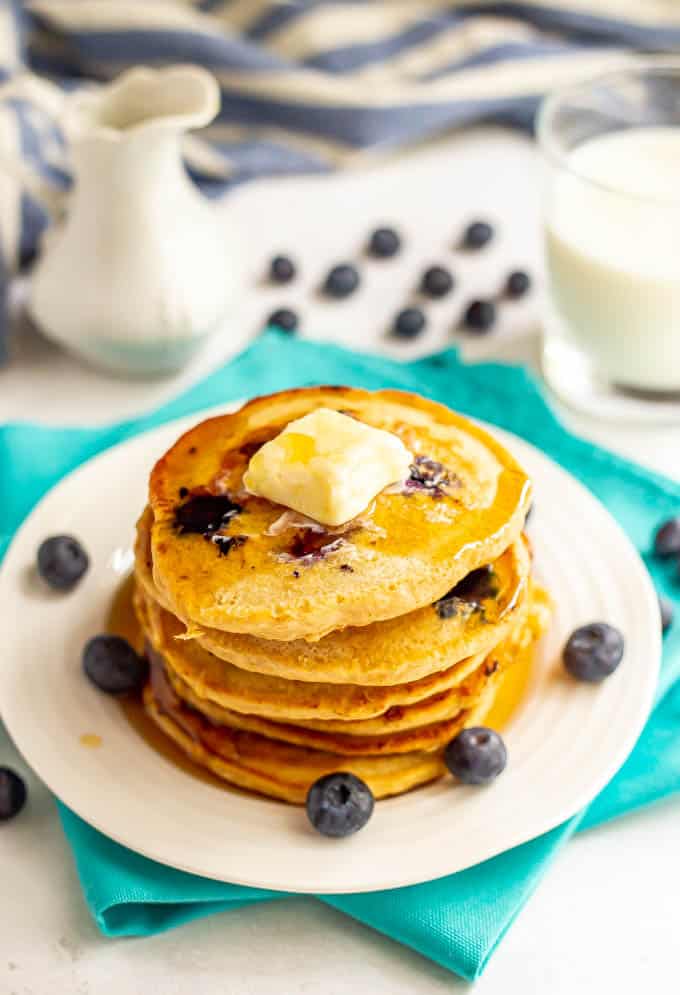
[138,266]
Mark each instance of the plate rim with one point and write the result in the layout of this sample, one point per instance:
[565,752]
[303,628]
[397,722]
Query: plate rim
[540,826]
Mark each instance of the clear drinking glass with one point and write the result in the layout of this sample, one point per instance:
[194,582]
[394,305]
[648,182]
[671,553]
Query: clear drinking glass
[611,148]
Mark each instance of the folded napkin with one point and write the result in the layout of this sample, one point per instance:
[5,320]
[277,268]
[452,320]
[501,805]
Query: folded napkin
[457,920]
[305,85]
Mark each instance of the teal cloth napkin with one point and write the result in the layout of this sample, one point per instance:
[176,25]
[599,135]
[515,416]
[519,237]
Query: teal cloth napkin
[457,920]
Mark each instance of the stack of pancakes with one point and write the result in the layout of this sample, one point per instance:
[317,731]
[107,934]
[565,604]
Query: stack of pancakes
[282,650]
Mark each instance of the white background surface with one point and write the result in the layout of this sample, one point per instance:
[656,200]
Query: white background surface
[606,917]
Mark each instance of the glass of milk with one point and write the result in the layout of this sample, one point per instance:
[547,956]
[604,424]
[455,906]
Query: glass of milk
[612,234]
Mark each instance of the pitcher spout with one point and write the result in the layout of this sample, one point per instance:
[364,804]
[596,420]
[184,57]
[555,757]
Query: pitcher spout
[175,98]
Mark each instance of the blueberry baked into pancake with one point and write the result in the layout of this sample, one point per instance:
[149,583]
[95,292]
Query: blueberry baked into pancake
[333,587]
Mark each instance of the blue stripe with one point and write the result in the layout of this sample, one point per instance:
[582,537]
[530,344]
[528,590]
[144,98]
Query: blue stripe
[508,51]
[262,157]
[254,158]
[31,144]
[131,47]
[366,127]
[208,6]
[587,26]
[350,57]
[34,221]
[278,15]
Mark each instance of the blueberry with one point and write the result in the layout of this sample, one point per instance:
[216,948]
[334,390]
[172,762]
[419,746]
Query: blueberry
[205,514]
[339,804]
[384,243]
[666,609]
[285,319]
[12,794]
[476,755]
[281,269]
[593,652]
[517,283]
[341,281]
[113,665]
[479,316]
[409,323]
[477,235]
[667,538]
[436,282]
[62,561]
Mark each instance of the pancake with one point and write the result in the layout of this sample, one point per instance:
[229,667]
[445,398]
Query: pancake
[396,651]
[424,725]
[221,683]
[464,505]
[280,770]
[397,731]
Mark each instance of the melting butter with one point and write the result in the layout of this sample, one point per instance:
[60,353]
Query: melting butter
[328,466]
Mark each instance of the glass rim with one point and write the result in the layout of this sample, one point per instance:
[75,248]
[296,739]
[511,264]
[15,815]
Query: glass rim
[547,142]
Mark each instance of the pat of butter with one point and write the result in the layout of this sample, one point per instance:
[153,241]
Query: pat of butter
[327,466]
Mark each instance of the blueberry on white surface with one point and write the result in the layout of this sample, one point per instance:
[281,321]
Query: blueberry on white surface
[477,235]
[436,282]
[282,269]
[285,319]
[62,562]
[409,323]
[479,316]
[517,284]
[384,243]
[342,281]
[476,755]
[593,652]
[339,804]
[113,665]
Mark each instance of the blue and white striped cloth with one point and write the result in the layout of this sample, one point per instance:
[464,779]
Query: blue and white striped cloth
[306,84]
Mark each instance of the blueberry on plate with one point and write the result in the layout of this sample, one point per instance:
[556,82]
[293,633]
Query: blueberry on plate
[342,281]
[339,804]
[517,284]
[408,323]
[12,794]
[62,561]
[477,235]
[476,755]
[667,538]
[479,316]
[113,665]
[436,282]
[285,319]
[282,269]
[593,651]
[384,243]
[666,610]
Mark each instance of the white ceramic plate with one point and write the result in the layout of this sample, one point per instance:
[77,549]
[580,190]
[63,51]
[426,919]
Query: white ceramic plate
[565,742]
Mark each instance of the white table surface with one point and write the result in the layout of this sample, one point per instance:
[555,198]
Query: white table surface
[606,916]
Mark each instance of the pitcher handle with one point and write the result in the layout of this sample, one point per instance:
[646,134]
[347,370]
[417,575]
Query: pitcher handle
[49,98]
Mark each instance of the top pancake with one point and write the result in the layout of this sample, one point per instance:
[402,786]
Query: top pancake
[393,651]
[406,551]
